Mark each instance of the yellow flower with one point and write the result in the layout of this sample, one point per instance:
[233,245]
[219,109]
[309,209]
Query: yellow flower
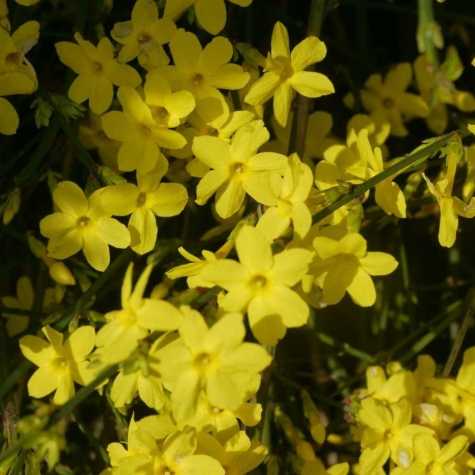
[290,207]
[224,130]
[261,284]
[211,14]
[58,271]
[389,98]
[97,70]
[356,162]
[153,447]
[82,224]
[238,455]
[139,374]
[450,206]
[144,201]
[193,269]
[144,35]
[437,88]
[203,71]
[343,264]
[211,361]
[430,459]
[60,364]
[386,432]
[237,169]
[17,76]
[119,337]
[24,300]
[141,128]
[285,73]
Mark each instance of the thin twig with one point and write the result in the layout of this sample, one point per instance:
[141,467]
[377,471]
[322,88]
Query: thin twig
[460,336]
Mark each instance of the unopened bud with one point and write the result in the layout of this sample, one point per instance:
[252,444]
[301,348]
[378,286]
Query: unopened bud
[61,274]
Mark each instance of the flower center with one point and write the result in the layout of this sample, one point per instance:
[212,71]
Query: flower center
[197,79]
[83,221]
[202,361]
[258,282]
[160,114]
[146,130]
[388,103]
[13,59]
[97,67]
[60,364]
[238,168]
[141,199]
[144,38]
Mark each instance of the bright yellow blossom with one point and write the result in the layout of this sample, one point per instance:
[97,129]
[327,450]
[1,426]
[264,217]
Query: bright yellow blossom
[211,14]
[82,224]
[60,363]
[17,76]
[437,89]
[97,70]
[290,207]
[153,449]
[126,327]
[343,264]
[261,284]
[203,71]
[390,100]
[141,129]
[284,73]
[24,300]
[144,201]
[451,207]
[237,169]
[139,375]
[144,35]
[386,432]
[356,162]
[431,459]
[238,455]
[214,361]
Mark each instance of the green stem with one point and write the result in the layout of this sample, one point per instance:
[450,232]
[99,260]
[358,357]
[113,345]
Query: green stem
[61,412]
[300,120]
[400,165]
[345,347]
[19,311]
[462,331]
[119,262]
[13,378]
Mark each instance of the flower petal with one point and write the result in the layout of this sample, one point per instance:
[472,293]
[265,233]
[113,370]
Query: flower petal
[312,84]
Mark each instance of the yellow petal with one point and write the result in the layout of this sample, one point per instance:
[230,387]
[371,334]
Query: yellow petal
[9,120]
[113,232]
[378,263]
[280,41]
[291,265]
[309,51]
[254,250]
[70,199]
[96,251]
[37,350]
[263,89]
[169,200]
[80,343]
[283,97]
[211,15]
[448,222]
[143,231]
[42,383]
[144,12]
[311,84]
[361,289]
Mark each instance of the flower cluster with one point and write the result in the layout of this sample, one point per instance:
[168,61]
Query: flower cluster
[189,141]
[414,421]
